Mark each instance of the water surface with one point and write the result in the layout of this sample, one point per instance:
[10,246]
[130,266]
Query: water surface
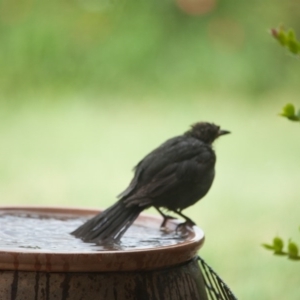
[31,231]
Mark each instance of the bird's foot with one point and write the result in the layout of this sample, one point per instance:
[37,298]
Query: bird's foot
[165,221]
[185,227]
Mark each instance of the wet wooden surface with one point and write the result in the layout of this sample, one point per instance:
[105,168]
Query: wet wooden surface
[182,282]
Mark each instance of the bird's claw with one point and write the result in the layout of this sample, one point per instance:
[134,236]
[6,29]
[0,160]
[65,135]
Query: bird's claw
[185,227]
[164,222]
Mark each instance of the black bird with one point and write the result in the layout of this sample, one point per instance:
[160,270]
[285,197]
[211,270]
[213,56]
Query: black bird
[173,176]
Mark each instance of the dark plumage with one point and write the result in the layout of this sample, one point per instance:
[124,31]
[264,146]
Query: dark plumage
[173,176]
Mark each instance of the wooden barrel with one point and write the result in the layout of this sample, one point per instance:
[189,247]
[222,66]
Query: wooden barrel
[160,273]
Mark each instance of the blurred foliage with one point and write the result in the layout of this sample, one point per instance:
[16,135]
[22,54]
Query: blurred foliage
[277,247]
[129,45]
[287,38]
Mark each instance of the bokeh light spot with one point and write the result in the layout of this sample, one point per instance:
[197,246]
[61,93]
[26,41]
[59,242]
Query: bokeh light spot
[196,7]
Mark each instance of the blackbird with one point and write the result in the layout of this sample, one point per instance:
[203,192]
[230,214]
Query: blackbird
[173,176]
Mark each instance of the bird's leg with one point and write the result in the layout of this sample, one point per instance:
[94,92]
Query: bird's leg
[166,218]
[188,221]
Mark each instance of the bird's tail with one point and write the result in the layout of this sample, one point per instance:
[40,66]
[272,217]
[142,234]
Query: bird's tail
[109,225]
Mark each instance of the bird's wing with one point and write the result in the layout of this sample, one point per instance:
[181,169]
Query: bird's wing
[174,149]
[176,174]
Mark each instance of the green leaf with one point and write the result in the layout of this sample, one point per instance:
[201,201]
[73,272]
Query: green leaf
[281,38]
[280,253]
[288,111]
[278,245]
[293,250]
[291,34]
[267,246]
[293,46]
[287,39]
[295,258]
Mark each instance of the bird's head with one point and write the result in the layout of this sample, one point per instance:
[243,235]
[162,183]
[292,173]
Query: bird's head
[206,132]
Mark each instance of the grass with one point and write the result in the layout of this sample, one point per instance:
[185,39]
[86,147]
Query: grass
[79,152]
[142,44]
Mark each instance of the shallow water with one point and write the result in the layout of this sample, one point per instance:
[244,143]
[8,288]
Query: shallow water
[34,232]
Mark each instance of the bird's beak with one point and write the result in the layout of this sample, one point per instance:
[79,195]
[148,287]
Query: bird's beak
[222,132]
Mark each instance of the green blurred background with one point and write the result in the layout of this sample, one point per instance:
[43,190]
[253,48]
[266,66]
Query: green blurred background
[89,87]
